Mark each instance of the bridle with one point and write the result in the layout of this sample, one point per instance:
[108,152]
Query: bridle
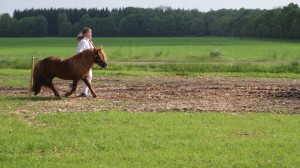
[96,55]
[97,58]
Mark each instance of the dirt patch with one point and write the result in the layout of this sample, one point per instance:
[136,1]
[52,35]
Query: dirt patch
[156,94]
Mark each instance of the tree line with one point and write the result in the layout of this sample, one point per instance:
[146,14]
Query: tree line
[281,22]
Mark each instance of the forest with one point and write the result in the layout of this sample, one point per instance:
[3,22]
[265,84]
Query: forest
[282,22]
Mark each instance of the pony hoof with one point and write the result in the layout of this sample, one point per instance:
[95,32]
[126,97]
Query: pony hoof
[67,94]
[94,95]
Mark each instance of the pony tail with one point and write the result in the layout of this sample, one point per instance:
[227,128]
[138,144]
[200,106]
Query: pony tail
[79,36]
[36,84]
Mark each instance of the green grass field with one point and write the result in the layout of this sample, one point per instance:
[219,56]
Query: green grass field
[21,77]
[170,50]
[168,139]
[187,49]
[126,139]
[172,139]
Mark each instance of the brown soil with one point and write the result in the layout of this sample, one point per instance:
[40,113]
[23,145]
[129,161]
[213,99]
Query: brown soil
[156,94]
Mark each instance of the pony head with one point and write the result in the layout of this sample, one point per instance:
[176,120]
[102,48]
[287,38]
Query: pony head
[100,57]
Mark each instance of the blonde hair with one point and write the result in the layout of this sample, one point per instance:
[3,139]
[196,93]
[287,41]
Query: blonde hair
[81,34]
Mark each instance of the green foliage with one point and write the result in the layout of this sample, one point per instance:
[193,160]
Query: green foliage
[64,26]
[216,53]
[163,22]
[35,26]
[6,25]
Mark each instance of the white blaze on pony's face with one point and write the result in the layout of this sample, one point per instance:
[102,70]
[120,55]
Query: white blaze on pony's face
[100,57]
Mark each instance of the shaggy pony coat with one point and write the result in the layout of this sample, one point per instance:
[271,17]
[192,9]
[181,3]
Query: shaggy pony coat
[73,68]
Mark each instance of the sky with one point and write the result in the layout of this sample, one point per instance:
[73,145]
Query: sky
[8,6]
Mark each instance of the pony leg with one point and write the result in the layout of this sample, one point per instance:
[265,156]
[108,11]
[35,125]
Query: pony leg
[37,88]
[48,82]
[51,86]
[89,86]
[75,82]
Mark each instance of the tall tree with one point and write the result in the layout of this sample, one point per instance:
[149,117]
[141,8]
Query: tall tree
[162,21]
[129,26]
[64,26]
[6,25]
[32,26]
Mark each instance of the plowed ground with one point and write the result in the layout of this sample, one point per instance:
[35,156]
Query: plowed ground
[158,94]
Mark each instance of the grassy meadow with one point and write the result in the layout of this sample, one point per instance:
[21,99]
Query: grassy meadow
[33,138]
[172,49]
[180,55]
[171,139]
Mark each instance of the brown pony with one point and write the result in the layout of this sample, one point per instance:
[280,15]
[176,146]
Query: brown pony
[73,68]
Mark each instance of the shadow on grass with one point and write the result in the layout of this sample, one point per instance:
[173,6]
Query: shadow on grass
[31,98]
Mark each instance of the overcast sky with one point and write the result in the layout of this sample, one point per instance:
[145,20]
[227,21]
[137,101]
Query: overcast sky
[8,6]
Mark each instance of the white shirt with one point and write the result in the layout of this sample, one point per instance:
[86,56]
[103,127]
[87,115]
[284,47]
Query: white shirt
[83,45]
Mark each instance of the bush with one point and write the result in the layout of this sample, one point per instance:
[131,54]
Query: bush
[215,53]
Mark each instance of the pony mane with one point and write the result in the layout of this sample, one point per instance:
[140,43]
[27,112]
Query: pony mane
[103,55]
[81,62]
